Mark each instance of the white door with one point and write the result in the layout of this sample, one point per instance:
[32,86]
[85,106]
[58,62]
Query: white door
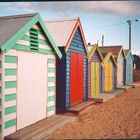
[120,74]
[31,88]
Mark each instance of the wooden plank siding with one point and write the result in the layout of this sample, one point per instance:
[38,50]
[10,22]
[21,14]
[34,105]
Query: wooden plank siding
[76,45]
[128,71]
[113,74]
[120,60]
[63,73]
[10,61]
[95,58]
[61,82]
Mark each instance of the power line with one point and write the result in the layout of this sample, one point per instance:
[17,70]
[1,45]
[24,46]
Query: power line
[106,26]
[111,25]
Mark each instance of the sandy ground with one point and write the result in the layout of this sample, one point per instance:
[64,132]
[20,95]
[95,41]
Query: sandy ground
[119,117]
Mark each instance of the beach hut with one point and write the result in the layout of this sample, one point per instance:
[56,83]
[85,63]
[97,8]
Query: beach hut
[94,71]
[118,54]
[109,70]
[72,68]
[27,57]
[128,72]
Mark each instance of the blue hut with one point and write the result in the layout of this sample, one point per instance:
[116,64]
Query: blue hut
[128,71]
[71,73]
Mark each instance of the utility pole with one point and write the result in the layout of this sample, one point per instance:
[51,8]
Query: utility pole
[102,40]
[129,24]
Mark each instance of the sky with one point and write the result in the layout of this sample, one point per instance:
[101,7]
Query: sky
[108,18]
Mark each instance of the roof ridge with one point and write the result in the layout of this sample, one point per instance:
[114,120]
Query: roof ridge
[61,20]
[18,16]
[110,46]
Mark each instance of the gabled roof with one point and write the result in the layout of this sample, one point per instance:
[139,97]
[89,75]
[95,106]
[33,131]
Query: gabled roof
[63,31]
[107,56]
[93,50]
[115,50]
[127,53]
[12,28]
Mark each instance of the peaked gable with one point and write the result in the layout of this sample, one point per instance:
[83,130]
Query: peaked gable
[108,56]
[93,50]
[128,53]
[76,27]
[115,50]
[121,53]
[63,31]
[26,27]
[77,43]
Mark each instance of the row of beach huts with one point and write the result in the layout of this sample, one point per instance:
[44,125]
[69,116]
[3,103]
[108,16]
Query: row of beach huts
[47,67]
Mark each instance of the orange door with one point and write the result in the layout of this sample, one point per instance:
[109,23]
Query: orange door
[108,76]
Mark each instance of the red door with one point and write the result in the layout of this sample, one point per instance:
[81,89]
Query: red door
[76,78]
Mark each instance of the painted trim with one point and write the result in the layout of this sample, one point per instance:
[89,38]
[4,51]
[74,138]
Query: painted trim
[50,70]
[51,60]
[93,50]
[10,123]
[10,43]
[52,88]
[10,59]
[0,64]
[40,41]
[50,108]
[10,71]
[10,84]
[10,110]
[27,48]
[122,50]
[50,98]
[129,53]
[77,24]
[10,97]
[45,29]
[108,56]
[51,79]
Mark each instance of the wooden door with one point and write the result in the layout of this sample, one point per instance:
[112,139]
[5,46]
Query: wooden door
[129,74]
[76,78]
[94,79]
[31,88]
[108,76]
[80,74]
[120,74]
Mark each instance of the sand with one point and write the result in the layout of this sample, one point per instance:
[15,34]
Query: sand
[119,117]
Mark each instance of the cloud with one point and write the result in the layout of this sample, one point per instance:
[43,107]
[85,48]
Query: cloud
[99,7]
[90,7]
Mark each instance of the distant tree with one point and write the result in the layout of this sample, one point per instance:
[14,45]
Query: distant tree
[136,61]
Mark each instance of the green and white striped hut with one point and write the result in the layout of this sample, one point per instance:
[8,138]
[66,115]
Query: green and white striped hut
[27,72]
